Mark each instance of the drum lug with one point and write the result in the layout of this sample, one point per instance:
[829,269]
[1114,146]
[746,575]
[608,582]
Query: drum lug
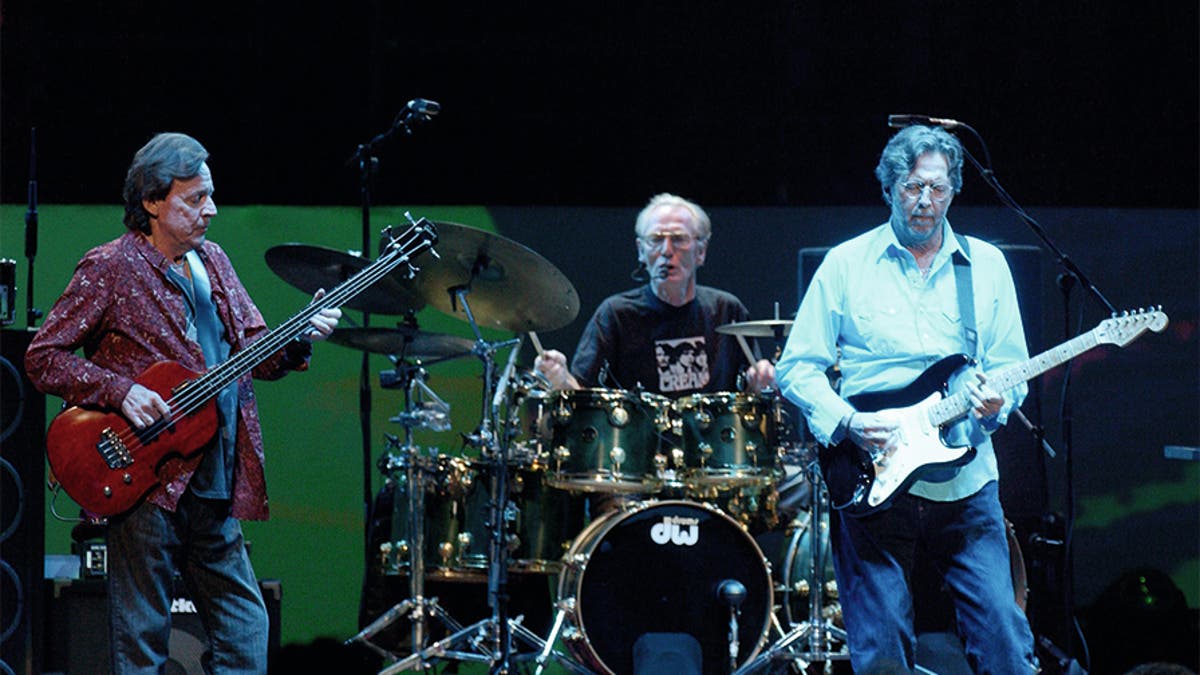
[561,414]
[446,551]
[617,455]
[752,451]
[706,451]
[561,454]
[677,457]
[618,417]
[704,419]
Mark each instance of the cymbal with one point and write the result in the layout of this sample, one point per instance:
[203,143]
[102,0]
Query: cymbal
[764,328]
[313,267]
[510,286]
[406,342]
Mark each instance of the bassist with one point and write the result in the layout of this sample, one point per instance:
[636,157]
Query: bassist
[888,301]
[163,293]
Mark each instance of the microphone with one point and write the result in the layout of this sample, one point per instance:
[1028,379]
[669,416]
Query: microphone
[425,107]
[732,592]
[901,121]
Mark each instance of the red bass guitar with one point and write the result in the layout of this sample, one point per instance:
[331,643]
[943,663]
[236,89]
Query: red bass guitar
[107,466]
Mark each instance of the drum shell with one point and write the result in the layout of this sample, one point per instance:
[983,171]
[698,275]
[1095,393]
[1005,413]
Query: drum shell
[455,519]
[545,522]
[621,583]
[602,440]
[729,439]
[792,559]
[541,526]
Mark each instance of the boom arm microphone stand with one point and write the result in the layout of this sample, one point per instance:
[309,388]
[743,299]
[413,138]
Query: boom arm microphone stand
[1066,281]
[414,113]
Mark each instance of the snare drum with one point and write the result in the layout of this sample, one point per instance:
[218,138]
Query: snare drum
[729,439]
[655,568]
[603,440]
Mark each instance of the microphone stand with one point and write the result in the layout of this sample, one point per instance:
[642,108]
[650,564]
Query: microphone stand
[1066,282]
[32,314]
[368,164]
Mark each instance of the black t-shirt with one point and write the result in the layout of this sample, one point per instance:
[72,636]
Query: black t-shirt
[635,339]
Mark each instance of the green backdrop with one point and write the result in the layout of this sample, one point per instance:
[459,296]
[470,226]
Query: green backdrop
[314,540]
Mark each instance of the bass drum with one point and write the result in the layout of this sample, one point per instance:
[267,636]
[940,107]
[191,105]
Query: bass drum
[655,567]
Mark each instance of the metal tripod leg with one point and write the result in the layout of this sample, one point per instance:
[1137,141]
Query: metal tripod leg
[814,636]
[548,647]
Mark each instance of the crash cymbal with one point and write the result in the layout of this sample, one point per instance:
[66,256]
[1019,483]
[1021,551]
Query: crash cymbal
[511,287]
[312,267]
[406,342]
[764,328]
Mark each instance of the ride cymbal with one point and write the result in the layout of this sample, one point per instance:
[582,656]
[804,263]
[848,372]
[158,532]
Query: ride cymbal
[508,285]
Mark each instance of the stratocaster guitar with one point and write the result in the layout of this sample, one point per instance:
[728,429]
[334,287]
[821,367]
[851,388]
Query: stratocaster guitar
[860,483]
[107,466]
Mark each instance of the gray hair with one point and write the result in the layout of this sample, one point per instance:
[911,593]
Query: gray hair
[901,153]
[166,158]
[703,224]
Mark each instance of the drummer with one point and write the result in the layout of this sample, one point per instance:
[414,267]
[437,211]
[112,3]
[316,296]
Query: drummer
[661,337]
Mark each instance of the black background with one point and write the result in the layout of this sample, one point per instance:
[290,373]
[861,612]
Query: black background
[747,103]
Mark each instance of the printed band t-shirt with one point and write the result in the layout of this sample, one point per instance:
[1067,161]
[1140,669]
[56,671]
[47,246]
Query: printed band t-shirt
[635,340]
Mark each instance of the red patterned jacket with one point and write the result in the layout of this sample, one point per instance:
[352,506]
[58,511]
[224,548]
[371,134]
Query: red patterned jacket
[125,314]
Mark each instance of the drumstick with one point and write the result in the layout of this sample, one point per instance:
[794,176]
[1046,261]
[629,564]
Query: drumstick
[746,349]
[537,344]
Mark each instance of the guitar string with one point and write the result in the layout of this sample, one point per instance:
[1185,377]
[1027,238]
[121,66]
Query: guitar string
[191,398]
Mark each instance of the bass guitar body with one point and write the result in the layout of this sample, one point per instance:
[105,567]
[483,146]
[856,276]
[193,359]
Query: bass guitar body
[106,465]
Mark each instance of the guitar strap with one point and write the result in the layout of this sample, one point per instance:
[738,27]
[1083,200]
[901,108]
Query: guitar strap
[966,296]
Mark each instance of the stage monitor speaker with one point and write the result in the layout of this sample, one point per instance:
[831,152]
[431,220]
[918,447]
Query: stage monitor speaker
[77,627]
[1018,454]
[22,508]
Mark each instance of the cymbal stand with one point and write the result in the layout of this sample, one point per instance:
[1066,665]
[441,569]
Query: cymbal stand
[498,628]
[816,635]
[418,413]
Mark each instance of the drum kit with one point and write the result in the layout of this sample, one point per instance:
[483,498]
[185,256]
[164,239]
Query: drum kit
[645,518]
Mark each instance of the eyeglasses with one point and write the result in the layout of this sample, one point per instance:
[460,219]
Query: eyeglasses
[680,241]
[938,192]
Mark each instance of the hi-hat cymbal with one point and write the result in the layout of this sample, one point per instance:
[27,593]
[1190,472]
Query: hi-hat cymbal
[510,286]
[313,267]
[404,342]
[764,328]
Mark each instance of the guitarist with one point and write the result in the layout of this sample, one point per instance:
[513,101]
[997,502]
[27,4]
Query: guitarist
[161,292]
[889,301]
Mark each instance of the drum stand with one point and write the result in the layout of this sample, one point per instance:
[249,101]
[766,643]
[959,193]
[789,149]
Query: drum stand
[813,638]
[425,414]
[491,638]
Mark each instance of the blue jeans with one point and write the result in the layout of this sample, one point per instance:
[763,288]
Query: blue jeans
[147,547]
[967,541]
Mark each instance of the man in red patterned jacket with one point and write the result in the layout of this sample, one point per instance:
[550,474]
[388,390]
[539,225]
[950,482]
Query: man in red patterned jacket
[161,292]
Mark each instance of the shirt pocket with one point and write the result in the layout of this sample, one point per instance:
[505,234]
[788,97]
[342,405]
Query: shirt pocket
[883,327]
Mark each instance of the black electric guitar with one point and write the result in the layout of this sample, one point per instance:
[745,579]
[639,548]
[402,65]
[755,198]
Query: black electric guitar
[107,466]
[861,483]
